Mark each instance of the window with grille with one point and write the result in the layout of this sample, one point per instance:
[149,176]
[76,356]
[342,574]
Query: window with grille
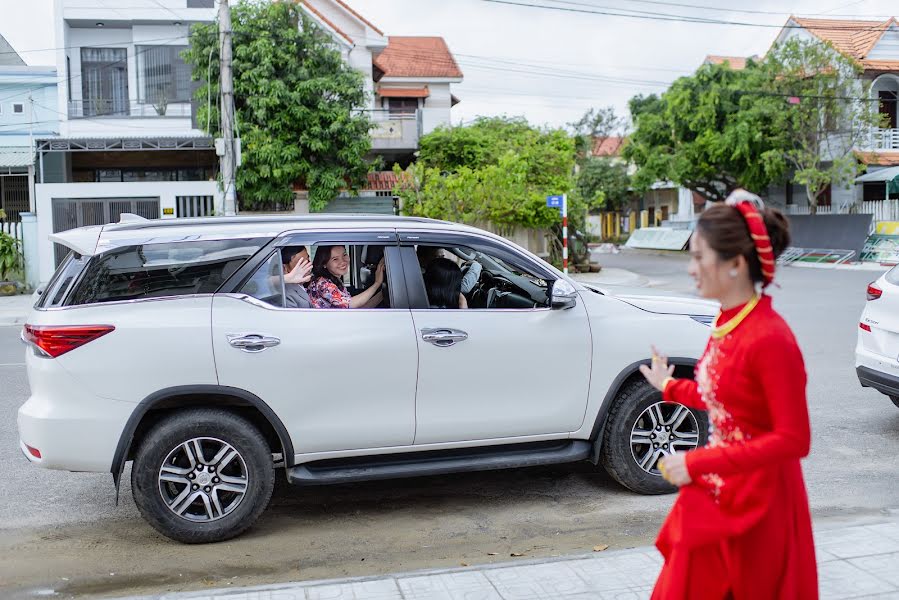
[104,81]
[162,75]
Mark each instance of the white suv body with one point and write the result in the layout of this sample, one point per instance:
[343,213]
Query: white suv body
[169,343]
[877,350]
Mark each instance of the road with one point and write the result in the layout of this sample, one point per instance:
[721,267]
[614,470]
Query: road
[64,532]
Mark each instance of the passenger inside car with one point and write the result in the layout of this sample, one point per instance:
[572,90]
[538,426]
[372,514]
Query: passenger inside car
[443,283]
[297,273]
[327,289]
[470,275]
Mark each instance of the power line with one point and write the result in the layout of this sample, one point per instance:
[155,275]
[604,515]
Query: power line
[680,18]
[727,10]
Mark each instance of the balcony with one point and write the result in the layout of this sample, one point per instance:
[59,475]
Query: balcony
[884,139]
[128,109]
[395,131]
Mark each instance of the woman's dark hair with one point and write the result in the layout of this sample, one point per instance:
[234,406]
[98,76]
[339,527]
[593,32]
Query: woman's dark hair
[725,231]
[320,264]
[443,282]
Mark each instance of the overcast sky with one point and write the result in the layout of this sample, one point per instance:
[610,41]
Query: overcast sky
[547,65]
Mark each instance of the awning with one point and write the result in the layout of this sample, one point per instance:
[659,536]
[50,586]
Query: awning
[16,156]
[421,92]
[453,100]
[880,175]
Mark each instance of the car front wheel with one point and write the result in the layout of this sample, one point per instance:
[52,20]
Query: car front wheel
[641,429]
[202,475]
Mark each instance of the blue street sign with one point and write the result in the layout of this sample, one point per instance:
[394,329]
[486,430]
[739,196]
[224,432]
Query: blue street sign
[554,201]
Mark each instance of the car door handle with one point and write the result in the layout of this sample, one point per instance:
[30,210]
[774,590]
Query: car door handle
[252,342]
[443,336]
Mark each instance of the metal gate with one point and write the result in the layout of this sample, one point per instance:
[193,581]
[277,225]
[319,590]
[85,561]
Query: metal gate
[69,213]
[195,206]
[14,196]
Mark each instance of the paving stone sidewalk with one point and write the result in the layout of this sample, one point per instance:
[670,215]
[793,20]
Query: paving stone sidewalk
[853,562]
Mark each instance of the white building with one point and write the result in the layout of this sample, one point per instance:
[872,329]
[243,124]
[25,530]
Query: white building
[126,142]
[27,109]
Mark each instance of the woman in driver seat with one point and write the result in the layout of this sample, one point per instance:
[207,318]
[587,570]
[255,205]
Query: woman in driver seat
[443,283]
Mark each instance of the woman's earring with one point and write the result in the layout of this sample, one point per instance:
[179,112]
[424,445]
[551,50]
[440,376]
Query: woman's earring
[733,273]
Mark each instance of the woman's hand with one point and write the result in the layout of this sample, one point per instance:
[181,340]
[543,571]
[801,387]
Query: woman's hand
[379,274]
[302,273]
[659,371]
[674,469]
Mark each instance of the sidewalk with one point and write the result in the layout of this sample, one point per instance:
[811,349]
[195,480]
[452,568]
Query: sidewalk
[14,309]
[860,561]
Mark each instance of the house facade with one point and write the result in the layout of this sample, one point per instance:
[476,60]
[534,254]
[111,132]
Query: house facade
[127,139]
[27,109]
[874,45]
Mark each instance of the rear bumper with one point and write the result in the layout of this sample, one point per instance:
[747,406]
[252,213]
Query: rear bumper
[882,382]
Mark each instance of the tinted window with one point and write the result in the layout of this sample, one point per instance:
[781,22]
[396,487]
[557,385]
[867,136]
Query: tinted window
[893,275]
[159,270]
[59,285]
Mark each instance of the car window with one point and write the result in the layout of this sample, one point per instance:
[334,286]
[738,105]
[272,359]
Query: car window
[487,280]
[62,280]
[267,283]
[893,275]
[161,270]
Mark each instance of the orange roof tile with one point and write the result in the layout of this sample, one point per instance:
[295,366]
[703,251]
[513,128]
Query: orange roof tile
[881,65]
[407,56]
[358,16]
[608,146]
[737,63]
[881,158]
[337,29]
[380,181]
[853,38]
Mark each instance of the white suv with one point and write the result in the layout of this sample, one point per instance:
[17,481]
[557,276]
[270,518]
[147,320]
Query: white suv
[877,350]
[169,343]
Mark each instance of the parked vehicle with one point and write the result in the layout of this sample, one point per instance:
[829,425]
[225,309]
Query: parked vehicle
[167,343]
[877,350]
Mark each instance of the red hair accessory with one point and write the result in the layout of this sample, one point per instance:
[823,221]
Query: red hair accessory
[750,206]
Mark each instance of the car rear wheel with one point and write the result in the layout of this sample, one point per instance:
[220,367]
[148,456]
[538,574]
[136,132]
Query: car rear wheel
[641,429]
[202,475]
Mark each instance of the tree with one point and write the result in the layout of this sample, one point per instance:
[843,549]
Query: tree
[594,127]
[296,104]
[604,183]
[706,134]
[815,95]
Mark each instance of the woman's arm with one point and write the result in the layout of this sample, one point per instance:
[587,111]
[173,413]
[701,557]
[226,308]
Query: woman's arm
[362,299]
[659,374]
[777,364]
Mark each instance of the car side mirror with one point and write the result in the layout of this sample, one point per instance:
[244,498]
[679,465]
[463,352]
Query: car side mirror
[563,295]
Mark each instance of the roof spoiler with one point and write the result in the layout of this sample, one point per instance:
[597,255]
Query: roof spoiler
[131,218]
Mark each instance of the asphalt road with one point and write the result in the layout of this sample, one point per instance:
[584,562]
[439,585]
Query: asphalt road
[64,532]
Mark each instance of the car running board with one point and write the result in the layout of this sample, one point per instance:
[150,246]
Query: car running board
[417,464]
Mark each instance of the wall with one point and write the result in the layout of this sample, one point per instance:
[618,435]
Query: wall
[165,191]
[888,46]
[16,84]
[436,111]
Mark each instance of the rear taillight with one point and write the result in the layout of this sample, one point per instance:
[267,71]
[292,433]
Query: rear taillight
[56,340]
[874,292]
[864,327]
[33,451]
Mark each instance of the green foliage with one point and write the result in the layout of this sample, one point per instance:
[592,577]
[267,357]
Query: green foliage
[604,183]
[496,169]
[10,254]
[595,124]
[832,115]
[707,134]
[295,102]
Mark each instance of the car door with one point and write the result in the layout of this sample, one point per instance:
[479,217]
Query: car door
[339,379]
[490,373]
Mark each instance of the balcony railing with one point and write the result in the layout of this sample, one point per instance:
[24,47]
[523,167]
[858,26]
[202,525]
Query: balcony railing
[114,108]
[884,139]
[395,130]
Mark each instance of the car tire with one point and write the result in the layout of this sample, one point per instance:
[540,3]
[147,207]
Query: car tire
[895,400]
[635,414]
[223,498]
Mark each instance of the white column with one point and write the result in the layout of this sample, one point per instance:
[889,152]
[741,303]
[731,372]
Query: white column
[30,249]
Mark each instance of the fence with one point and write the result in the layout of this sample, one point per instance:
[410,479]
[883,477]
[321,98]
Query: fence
[881,210]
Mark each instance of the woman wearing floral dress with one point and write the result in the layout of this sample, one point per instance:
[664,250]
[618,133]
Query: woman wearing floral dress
[740,527]
[326,290]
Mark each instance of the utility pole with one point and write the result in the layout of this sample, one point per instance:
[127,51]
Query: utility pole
[229,167]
